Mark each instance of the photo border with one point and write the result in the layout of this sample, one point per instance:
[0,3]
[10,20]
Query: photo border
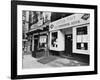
[14,39]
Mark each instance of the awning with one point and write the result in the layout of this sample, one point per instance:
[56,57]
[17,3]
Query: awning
[38,29]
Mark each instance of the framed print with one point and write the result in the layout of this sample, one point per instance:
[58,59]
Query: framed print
[53,39]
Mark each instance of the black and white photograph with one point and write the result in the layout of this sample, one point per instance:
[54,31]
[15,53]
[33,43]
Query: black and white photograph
[51,39]
[54,39]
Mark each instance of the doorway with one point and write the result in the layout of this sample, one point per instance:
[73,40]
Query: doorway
[35,44]
[68,44]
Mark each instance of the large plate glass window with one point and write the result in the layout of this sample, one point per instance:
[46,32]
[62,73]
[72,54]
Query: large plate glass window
[54,39]
[81,31]
[42,41]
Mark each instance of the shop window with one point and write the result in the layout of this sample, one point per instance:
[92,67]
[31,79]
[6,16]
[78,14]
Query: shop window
[78,45]
[54,39]
[42,45]
[81,30]
[86,46]
[82,46]
[43,42]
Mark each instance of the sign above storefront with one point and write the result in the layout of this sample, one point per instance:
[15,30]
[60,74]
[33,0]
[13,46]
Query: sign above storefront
[70,21]
[37,25]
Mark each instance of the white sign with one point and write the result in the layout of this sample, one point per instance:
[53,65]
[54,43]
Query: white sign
[73,20]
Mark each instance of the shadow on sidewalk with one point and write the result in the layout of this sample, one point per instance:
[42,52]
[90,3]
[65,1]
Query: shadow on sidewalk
[47,59]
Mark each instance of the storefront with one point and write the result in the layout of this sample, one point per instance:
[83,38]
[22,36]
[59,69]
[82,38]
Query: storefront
[38,38]
[70,35]
[39,41]
[39,44]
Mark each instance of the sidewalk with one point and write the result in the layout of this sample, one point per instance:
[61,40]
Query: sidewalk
[51,61]
[30,62]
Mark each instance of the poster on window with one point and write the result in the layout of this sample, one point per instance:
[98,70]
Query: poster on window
[43,39]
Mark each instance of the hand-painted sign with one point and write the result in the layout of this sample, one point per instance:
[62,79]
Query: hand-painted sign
[70,21]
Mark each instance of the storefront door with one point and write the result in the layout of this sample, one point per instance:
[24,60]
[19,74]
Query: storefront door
[68,44]
[35,44]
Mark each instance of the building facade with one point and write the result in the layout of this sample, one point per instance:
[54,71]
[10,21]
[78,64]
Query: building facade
[25,26]
[70,35]
[38,33]
[50,33]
